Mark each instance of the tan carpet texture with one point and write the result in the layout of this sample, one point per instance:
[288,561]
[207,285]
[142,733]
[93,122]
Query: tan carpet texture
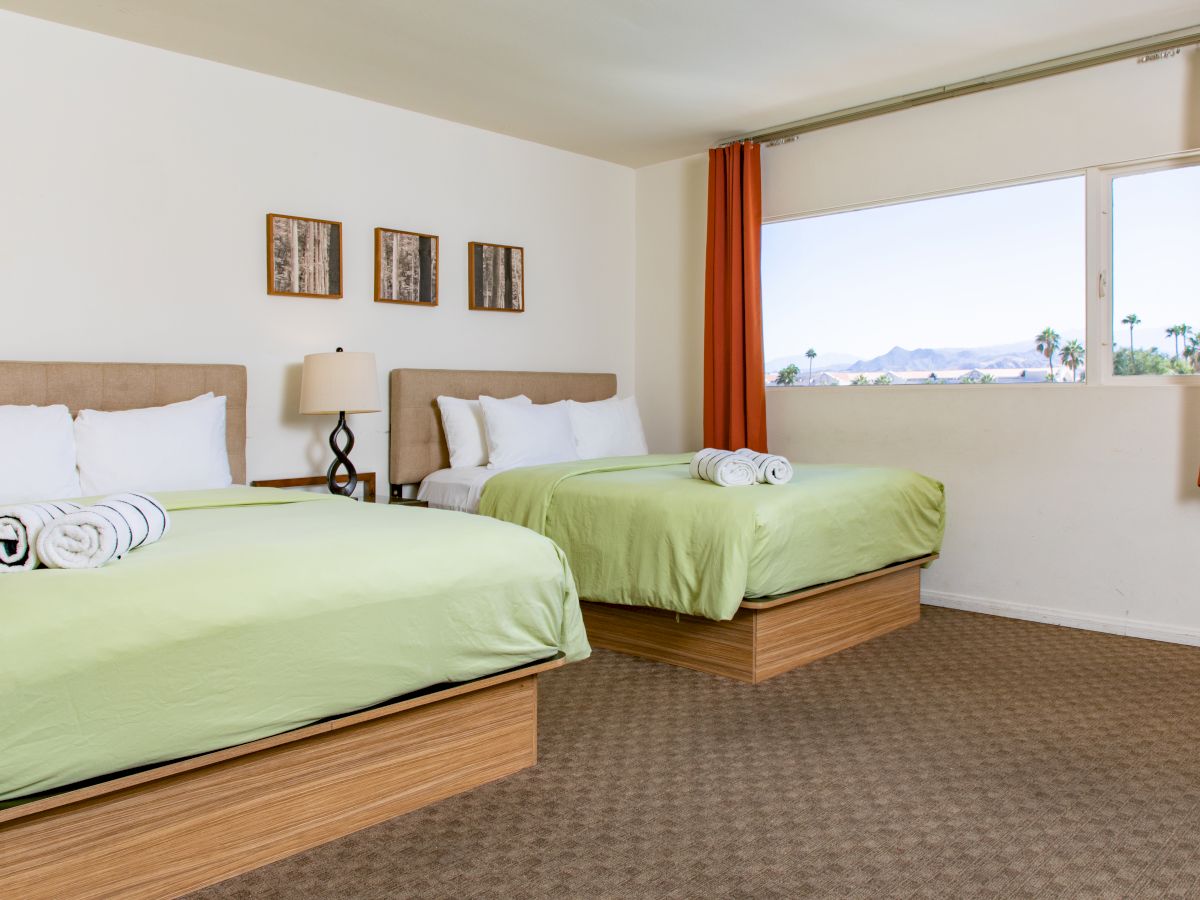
[966,756]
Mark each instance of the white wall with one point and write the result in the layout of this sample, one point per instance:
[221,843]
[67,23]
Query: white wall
[1101,531]
[134,185]
[1075,506]
[671,224]
[1107,114]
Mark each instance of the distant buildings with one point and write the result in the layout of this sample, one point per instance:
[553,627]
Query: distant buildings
[1030,375]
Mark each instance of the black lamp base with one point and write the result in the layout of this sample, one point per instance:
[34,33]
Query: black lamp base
[341,460]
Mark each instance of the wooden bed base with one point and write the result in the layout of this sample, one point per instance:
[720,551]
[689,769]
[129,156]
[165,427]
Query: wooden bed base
[767,636]
[176,827]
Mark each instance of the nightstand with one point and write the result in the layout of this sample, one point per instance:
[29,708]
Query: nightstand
[398,499]
[366,479]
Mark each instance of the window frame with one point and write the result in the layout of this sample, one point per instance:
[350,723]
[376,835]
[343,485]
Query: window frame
[1098,246]
[1100,295]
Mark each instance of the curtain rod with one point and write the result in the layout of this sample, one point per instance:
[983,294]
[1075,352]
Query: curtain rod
[1140,47]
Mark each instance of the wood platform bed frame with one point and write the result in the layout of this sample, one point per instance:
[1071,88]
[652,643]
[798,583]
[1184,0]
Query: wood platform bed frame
[168,829]
[766,637]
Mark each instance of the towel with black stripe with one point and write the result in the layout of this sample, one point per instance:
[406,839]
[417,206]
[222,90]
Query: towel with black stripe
[769,467]
[19,529]
[102,533]
[723,467]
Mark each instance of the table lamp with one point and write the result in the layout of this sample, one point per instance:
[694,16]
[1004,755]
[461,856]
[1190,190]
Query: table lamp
[339,383]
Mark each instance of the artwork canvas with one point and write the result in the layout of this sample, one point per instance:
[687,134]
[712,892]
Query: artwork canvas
[304,257]
[497,277]
[406,267]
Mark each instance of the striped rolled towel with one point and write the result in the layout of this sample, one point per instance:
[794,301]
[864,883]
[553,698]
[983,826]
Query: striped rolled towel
[19,528]
[769,468]
[723,467]
[102,533]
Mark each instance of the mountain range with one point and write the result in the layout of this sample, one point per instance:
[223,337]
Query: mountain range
[1021,355]
[1012,356]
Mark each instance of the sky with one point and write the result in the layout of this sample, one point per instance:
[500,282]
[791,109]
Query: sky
[1156,250]
[981,269]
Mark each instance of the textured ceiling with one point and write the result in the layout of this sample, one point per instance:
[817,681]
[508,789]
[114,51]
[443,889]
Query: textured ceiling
[632,81]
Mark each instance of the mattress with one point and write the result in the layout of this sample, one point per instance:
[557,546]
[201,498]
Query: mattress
[261,611]
[640,531]
[457,489]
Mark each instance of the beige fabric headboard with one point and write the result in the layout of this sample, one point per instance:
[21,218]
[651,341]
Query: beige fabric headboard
[115,386]
[418,445]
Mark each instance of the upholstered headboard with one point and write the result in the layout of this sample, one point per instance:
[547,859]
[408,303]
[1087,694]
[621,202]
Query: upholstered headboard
[418,445]
[115,386]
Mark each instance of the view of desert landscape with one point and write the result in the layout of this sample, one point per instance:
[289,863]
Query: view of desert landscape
[849,299]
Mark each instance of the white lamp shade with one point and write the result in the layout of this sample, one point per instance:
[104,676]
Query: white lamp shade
[339,382]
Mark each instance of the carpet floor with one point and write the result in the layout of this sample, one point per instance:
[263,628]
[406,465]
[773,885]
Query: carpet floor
[965,756]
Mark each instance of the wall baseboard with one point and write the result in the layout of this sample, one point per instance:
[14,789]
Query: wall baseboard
[1053,616]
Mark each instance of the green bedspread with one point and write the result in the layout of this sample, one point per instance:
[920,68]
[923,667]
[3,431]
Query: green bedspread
[261,611]
[640,531]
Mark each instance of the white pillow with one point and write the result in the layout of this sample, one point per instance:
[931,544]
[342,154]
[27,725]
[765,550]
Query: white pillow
[37,454]
[533,435]
[180,447]
[462,420]
[610,427]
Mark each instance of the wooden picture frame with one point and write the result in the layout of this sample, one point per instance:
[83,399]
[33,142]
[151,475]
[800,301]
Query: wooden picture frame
[406,270]
[485,264]
[296,265]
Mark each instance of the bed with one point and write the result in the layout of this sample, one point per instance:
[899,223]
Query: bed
[283,668]
[745,582]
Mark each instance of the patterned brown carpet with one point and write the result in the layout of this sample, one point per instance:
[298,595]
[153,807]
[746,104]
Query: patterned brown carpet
[967,756]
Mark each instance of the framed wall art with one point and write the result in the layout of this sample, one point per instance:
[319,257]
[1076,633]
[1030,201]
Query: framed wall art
[304,257]
[406,267]
[497,277]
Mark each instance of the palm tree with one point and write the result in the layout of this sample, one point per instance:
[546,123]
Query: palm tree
[811,354]
[1175,331]
[1131,320]
[1047,343]
[1191,351]
[787,375]
[1071,356]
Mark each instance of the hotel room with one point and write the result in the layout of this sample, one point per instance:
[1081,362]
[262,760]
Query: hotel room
[817,520]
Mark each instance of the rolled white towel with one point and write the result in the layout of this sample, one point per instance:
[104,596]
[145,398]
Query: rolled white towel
[723,467]
[770,468]
[102,533]
[19,528]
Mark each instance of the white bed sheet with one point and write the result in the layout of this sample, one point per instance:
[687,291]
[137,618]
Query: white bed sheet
[457,489]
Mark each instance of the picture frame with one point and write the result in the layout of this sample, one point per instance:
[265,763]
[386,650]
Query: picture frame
[304,257]
[407,267]
[496,277]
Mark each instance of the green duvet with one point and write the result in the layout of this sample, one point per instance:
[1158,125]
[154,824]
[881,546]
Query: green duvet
[641,531]
[261,611]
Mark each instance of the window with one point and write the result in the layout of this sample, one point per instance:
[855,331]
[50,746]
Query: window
[994,286]
[985,287]
[1155,271]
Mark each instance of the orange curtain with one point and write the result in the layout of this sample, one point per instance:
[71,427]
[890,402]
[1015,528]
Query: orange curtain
[735,394]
